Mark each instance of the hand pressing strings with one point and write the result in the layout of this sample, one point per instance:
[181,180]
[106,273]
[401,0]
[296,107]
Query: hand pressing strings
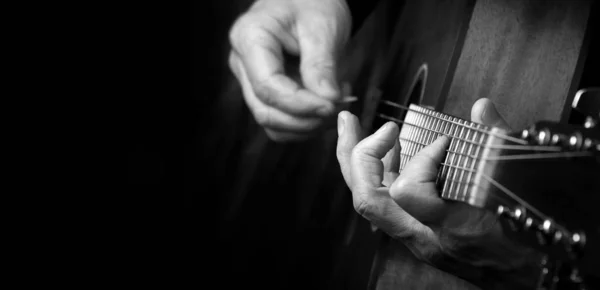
[453,236]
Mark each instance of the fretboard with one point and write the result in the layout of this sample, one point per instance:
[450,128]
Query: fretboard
[458,177]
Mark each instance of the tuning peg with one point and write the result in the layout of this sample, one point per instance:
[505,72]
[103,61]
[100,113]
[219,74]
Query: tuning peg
[530,135]
[578,241]
[558,139]
[518,215]
[575,141]
[547,227]
[547,233]
[543,136]
[587,102]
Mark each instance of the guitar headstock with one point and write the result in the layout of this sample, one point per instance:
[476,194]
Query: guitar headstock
[551,195]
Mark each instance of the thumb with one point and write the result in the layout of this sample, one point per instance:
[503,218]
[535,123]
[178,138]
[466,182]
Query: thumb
[485,112]
[318,60]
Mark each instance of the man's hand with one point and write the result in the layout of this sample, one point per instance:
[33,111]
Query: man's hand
[452,236]
[316,30]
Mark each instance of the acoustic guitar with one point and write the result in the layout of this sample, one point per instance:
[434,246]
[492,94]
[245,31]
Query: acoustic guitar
[543,179]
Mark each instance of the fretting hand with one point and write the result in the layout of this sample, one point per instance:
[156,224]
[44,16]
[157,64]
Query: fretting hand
[453,236]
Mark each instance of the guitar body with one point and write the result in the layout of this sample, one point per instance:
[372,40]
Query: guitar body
[528,57]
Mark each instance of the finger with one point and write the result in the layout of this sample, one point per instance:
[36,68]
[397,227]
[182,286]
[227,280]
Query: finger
[318,53]
[349,134]
[269,117]
[415,190]
[484,112]
[259,48]
[374,202]
[366,165]
[391,164]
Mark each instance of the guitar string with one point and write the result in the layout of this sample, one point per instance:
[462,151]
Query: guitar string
[511,195]
[510,147]
[501,136]
[512,157]
[490,179]
[505,157]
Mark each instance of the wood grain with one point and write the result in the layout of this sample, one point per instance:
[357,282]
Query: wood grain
[520,54]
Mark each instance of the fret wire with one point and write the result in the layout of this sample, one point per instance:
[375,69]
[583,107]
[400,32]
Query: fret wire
[416,134]
[482,138]
[450,158]
[465,161]
[459,146]
[413,133]
[403,145]
[429,135]
[449,180]
[485,131]
[410,133]
[407,131]
[457,143]
[440,177]
[423,137]
[507,192]
[438,126]
[470,162]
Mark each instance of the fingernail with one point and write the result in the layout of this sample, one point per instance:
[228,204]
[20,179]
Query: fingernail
[341,124]
[384,128]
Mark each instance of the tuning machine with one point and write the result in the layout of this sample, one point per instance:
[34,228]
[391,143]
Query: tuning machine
[542,136]
[518,216]
[587,102]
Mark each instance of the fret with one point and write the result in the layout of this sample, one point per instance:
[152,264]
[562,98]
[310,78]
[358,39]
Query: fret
[410,136]
[475,150]
[425,134]
[407,133]
[403,136]
[463,162]
[445,128]
[429,135]
[436,127]
[459,147]
[453,128]
[418,133]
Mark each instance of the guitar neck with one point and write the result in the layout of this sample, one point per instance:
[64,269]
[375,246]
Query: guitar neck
[461,176]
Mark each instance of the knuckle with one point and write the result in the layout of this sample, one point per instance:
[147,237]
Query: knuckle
[323,66]
[265,93]
[363,153]
[401,188]
[244,31]
[364,205]
[262,117]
